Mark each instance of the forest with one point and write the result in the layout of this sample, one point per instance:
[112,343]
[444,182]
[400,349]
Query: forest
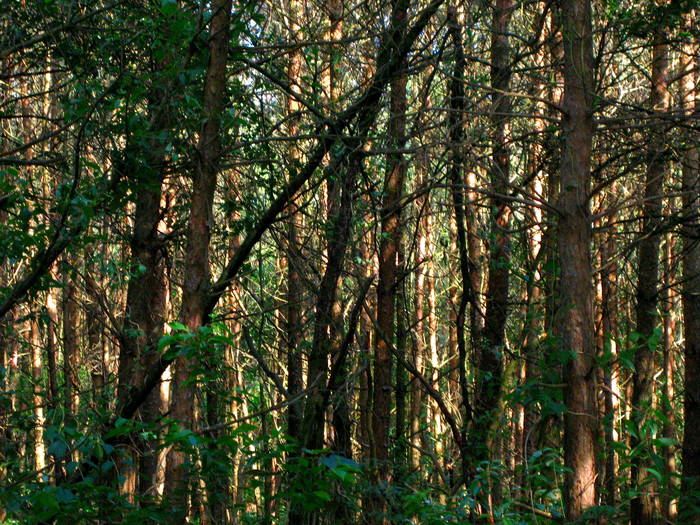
[377,262]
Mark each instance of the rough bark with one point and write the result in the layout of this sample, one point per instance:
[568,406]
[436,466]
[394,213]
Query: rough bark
[574,236]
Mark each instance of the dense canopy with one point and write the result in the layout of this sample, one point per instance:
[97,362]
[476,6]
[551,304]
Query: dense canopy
[349,261]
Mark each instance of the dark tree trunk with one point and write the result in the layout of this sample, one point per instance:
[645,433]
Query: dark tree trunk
[690,294]
[388,261]
[294,290]
[491,345]
[195,294]
[466,267]
[647,287]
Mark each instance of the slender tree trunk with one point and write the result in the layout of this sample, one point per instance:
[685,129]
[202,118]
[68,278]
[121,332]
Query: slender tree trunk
[466,266]
[422,240]
[609,314]
[576,295]
[690,293]
[647,288]
[490,360]
[71,345]
[295,380]
[326,344]
[669,507]
[386,285]
[196,274]
[38,399]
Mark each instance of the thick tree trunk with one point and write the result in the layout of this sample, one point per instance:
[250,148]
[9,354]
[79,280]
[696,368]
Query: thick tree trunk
[576,294]
[145,304]
[647,287]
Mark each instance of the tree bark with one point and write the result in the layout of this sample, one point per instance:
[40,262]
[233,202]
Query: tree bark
[195,292]
[388,260]
[492,342]
[690,294]
[295,380]
[574,234]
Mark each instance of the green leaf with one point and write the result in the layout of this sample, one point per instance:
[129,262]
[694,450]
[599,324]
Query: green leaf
[664,442]
[322,495]
[655,473]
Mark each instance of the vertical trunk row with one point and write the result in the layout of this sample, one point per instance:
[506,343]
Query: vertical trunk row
[648,283]
[574,235]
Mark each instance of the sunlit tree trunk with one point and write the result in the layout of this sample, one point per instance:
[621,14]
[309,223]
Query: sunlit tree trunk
[669,308]
[38,399]
[419,337]
[574,233]
[609,313]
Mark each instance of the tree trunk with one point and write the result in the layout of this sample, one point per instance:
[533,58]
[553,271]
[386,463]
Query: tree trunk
[71,344]
[38,399]
[642,506]
[690,293]
[387,281]
[195,292]
[295,380]
[492,343]
[466,266]
[576,297]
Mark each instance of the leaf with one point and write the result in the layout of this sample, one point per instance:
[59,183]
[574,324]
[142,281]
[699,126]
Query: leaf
[177,327]
[655,473]
[665,442]
[58,448]
[322,495]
